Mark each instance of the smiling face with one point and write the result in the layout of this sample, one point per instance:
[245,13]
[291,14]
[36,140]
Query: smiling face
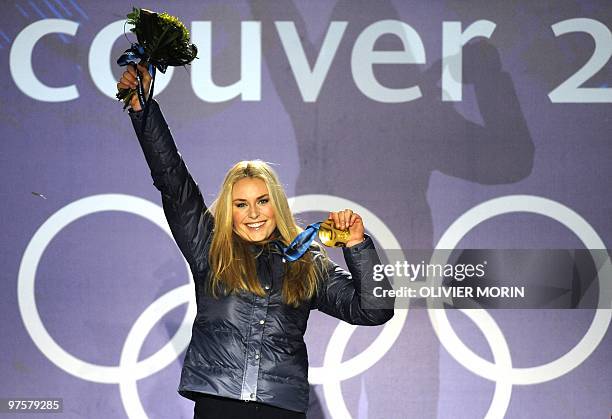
[252,212]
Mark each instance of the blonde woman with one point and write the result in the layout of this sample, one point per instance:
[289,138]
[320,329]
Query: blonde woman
[247,356]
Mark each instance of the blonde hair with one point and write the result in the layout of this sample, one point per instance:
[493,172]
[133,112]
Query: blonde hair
[231,260]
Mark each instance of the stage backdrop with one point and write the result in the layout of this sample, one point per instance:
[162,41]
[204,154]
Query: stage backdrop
[489,121]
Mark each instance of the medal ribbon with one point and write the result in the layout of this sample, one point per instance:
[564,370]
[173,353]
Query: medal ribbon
[133,56]
[300,244]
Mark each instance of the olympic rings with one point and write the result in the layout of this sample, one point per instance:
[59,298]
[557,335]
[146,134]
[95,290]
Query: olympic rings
[334,370]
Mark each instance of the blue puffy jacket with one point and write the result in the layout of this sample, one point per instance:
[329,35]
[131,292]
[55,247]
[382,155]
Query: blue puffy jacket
[244,346]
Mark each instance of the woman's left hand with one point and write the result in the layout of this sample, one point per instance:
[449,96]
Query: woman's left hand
[348,220]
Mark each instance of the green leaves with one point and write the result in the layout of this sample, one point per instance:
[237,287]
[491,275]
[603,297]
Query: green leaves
[165,41]
[133,16]
[126,96]
[164,38]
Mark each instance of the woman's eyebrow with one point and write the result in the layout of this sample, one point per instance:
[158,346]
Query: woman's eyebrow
[259,197]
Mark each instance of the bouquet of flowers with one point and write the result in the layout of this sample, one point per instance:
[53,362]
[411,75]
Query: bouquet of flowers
[163,41]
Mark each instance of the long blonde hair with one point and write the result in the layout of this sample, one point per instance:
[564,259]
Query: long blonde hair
[231,260]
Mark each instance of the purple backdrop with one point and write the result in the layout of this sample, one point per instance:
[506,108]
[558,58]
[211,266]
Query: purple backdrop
[516,124]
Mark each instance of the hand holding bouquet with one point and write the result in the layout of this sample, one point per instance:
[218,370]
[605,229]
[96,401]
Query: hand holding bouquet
[163,41]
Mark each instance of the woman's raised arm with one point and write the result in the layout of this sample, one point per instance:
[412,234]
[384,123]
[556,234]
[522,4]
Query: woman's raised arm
[189,220]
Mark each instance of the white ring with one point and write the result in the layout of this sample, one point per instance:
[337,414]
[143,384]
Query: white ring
[597,330]
[27,301]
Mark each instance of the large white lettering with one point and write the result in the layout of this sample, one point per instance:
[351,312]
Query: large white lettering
[310,81]
[20,61]
[249,85]
[309,78]
[453,41]
[364,57]
[570,91]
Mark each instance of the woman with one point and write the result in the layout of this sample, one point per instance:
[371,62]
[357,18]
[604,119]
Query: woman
[247,356]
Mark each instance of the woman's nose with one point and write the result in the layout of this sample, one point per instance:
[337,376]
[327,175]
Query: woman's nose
[253,212]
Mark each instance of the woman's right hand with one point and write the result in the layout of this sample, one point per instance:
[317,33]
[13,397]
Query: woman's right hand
[128,80]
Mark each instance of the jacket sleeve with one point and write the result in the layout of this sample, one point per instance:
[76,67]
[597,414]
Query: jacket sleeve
[186,213]
[350,296]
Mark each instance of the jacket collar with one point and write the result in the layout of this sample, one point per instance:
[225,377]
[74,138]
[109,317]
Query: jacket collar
[273,245]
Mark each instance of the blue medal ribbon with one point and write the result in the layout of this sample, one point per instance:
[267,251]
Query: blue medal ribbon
[300,244]
[135,54]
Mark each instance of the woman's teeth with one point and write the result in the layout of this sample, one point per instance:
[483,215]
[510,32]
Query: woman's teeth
[256,226]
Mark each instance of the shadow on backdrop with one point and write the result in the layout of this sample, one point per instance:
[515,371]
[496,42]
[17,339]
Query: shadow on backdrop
[382,155]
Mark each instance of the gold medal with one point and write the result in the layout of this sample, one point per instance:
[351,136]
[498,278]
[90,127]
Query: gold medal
[331,236]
